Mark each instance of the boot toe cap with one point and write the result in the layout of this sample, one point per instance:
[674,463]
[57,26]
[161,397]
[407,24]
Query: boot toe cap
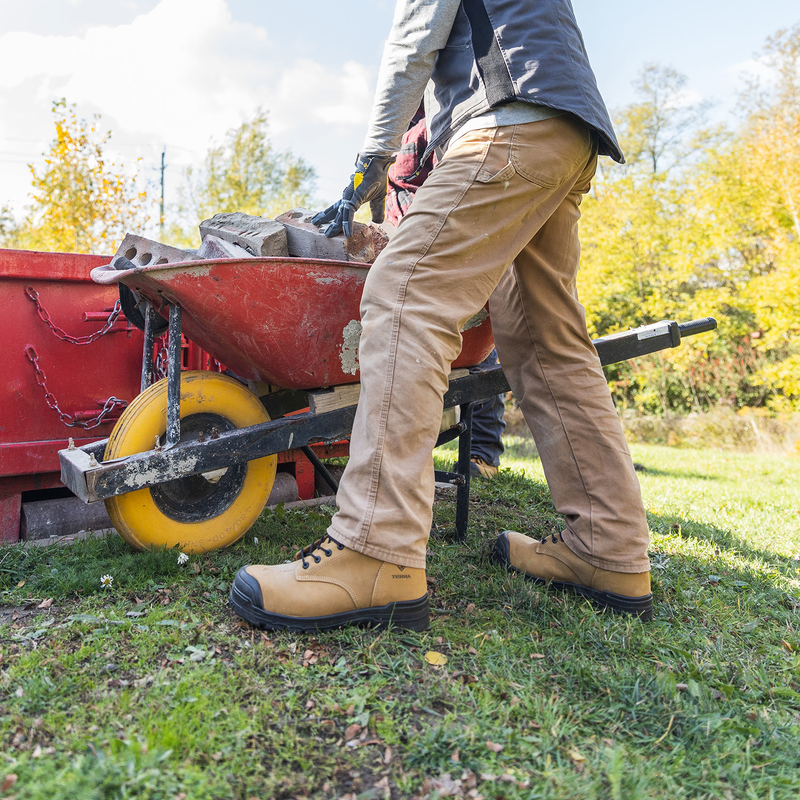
[501,553]
[247,589]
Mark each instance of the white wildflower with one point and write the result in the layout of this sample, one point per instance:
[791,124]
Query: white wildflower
[255,540]
[182,559]
[106,581]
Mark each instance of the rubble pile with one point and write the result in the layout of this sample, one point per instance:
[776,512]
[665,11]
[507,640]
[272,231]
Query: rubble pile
[237,235]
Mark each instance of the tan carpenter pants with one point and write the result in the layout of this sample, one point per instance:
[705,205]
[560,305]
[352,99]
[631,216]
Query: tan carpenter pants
[499,196]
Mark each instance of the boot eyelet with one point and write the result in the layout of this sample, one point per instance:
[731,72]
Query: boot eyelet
[328,553]
[305,565]
[339,546]
[317,559]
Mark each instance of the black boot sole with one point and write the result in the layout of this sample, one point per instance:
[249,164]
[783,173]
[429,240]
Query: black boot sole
[246,601]
[641,607]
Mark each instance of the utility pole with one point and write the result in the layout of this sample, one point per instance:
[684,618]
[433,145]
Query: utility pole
[163,169]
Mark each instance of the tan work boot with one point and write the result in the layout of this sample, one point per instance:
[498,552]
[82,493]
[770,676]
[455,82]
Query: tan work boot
[330,586]
[478,468]
[551,562]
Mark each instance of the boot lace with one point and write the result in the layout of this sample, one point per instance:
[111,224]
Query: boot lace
[555,538]
[309,550]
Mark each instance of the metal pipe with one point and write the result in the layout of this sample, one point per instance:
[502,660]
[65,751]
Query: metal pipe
[464,454]
[174,378]
[320,468]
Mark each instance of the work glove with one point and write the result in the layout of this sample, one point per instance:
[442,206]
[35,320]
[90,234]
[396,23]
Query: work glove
[367,184]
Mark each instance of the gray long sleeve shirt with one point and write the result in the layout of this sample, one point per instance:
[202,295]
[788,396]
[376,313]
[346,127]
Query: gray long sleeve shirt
[484,63]
[419,30]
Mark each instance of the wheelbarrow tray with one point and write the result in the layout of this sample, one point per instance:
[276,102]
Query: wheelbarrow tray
[288,322]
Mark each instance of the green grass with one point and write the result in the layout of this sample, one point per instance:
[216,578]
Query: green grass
[153,688]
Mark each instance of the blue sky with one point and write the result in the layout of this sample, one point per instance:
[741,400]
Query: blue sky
[181,72]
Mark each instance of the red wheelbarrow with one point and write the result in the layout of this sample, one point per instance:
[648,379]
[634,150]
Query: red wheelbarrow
[191,461]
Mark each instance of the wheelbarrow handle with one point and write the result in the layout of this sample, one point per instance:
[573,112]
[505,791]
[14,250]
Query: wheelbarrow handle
[697,326]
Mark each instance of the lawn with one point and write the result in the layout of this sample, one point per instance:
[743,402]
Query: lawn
[153,689]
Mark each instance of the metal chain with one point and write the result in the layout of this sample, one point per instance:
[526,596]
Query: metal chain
[71,421]
[60,333]
[161,360]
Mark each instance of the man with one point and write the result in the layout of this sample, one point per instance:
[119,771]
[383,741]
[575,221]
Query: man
[514,110]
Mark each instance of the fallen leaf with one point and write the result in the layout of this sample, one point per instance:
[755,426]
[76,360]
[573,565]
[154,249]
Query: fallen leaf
[787,646]
[537,655]
[682,687]
[46,603]
[9,779]
[455,756]
[195,567]
[575,755]
[383,785]
[494,747]
[470,608]
[472,651]
[435,659]
[352,731]
[387,755]
[19,586]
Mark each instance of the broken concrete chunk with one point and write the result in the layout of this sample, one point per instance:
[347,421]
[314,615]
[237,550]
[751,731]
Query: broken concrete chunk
[141,252]
[379,238]
[214,247]
[260,236]
[307,240]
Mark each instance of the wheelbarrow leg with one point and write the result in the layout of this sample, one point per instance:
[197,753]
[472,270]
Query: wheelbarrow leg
[174,378]
[462,468]
[149,340]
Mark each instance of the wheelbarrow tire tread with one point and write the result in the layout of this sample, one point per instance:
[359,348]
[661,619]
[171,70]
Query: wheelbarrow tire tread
[136,515]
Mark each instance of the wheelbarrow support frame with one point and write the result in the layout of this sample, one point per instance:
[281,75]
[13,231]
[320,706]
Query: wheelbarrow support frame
[91,479]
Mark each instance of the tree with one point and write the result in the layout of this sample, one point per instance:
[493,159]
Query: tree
[7,226]
[769,156]
[80,202]
[664,241]
[244,173]
[657,127]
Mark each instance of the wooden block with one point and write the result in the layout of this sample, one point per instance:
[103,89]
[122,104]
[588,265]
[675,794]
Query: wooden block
[347,395]
[338,397]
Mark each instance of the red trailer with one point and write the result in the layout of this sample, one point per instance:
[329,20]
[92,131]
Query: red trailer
[68,352]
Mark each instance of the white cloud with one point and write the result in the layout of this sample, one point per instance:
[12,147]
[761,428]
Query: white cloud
[181,74]
[752,69]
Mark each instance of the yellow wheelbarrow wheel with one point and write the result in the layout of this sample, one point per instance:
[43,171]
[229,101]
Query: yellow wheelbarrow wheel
[200,512]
